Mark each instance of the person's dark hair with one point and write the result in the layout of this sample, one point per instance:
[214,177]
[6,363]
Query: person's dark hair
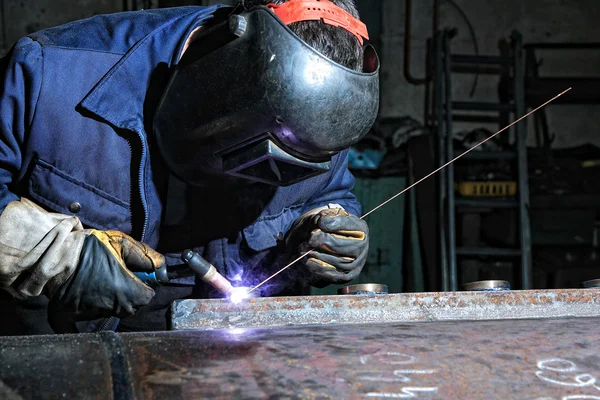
[335,43]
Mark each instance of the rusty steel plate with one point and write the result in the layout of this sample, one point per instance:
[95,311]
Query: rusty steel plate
[526,359]
[56,367]
[361,309]
[539,359]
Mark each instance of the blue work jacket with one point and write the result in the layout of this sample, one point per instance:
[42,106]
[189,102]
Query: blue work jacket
[76,109]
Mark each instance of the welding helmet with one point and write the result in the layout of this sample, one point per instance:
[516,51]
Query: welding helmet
[250,99]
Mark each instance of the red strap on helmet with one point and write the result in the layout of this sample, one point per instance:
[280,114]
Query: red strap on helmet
[320,10]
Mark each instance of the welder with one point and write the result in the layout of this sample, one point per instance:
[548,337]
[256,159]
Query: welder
[127,138]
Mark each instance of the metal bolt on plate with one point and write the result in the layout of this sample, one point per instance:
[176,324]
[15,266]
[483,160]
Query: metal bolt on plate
[594,283]
[364,288]
[486,286]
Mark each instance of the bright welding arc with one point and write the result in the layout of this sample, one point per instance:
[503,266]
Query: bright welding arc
[421,180]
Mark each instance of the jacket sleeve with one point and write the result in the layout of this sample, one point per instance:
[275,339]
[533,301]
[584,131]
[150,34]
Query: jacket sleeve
[21,77]
[337,189]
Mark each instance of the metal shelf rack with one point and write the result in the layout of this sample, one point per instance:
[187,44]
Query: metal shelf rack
[445,65]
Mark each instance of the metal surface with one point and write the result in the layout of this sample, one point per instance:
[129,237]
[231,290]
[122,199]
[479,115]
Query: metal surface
[364,288]
[523,174]
[486,285]
[449,135]
[410,307]
[440,135]
[548,359]
[594,283]
[60,367]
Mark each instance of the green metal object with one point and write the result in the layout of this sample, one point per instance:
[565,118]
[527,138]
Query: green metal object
[386,227]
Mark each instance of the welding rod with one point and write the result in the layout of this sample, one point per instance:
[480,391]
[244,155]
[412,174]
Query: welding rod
[206,271]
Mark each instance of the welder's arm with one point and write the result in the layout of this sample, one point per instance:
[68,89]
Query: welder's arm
[84,273]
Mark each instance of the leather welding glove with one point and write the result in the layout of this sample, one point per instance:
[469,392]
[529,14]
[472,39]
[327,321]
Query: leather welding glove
[339,243]
[84,273]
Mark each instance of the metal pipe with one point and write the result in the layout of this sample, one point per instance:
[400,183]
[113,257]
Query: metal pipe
[449,136]
[563,46]
[438,99]
[407,47]
[429,99]
[436,16]
[523,177]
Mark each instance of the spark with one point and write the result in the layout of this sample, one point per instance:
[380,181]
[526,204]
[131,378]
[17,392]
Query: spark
[239,294]
[421,180]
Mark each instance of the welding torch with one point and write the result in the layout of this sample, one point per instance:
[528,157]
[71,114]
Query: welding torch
[196,265]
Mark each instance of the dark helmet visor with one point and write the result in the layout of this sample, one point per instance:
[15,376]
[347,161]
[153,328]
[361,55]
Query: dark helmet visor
[251,99]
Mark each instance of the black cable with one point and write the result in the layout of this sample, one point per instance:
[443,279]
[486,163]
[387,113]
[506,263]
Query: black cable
[473,38]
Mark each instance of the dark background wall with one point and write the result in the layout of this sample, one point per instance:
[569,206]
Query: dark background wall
[540,21]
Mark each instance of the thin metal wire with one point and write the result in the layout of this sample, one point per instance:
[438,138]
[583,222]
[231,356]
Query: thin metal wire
[420,180]
[468,151]
[280,271]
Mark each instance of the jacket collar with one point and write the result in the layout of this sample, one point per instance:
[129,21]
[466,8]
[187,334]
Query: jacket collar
[122,95]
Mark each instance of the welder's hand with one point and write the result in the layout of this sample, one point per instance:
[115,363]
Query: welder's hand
[338,241]
[102,285]
[85,273]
